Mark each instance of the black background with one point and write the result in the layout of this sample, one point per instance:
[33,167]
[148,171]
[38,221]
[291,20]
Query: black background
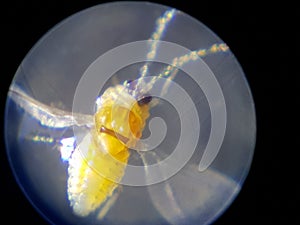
[263,37]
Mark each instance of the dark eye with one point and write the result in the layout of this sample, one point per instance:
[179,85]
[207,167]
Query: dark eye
[145,100]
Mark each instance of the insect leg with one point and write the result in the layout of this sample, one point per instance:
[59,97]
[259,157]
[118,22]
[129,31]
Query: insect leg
[173,206]
[46,115]
[109,203]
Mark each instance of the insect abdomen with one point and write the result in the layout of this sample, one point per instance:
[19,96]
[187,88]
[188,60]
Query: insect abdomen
[94,175]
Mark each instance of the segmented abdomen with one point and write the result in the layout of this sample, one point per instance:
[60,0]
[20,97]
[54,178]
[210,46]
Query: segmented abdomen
[93,173]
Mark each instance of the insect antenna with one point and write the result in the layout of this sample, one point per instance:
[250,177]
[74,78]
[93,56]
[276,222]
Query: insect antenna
[161,25]
[171,71]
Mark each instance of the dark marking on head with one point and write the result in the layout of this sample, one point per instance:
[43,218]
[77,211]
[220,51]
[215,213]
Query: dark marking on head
[131,85]
[144,100]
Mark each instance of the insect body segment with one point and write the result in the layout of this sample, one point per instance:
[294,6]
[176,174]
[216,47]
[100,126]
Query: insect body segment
[98,164]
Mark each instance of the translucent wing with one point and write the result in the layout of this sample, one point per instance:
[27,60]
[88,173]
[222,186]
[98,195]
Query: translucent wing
[189,194]
[48,116]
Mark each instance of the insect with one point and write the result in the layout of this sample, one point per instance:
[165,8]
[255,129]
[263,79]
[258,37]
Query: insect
[104,152]
[87,189]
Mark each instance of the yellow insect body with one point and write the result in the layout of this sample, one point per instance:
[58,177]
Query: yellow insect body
[96,169]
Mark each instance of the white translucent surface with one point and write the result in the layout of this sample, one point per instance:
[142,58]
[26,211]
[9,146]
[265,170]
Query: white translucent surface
[46,82]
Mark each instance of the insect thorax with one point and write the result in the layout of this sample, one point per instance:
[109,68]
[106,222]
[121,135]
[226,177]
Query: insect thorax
[120,115]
